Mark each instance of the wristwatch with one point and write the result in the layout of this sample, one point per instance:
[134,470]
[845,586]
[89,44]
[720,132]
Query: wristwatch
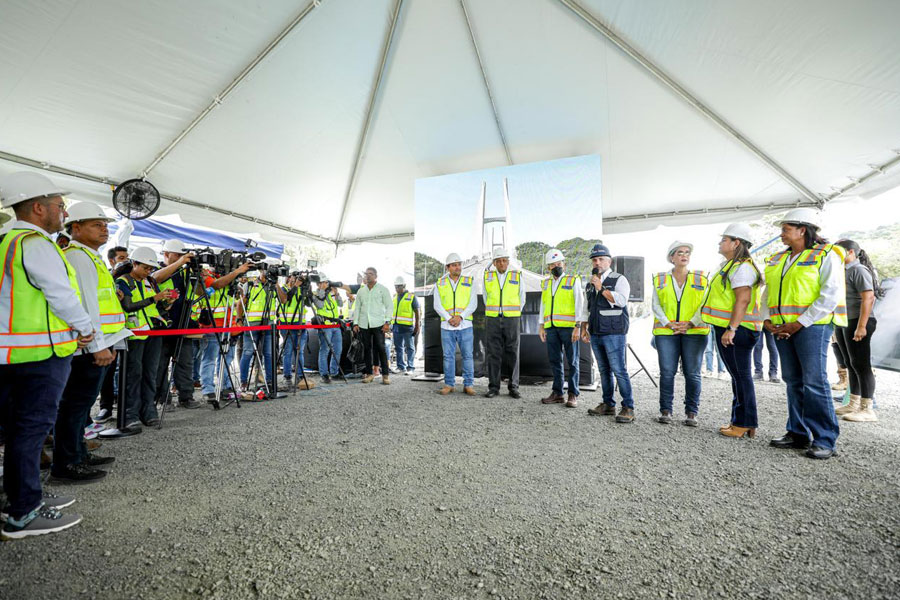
[732,329]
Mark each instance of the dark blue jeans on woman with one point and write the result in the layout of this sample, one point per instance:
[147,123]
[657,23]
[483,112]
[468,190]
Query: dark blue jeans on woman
[739,361]
[690,349]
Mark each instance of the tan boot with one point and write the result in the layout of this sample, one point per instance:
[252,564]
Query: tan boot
[469,390]
[447,389]
[385,380]
[865,414]
[843,380]
[852,407]
[368,378]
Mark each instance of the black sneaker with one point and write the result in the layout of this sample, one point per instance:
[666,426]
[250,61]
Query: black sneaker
[210,398]
[40,521]
[97,461]
[77,474]
[514,393]
[133,427]
[151,422]
[189,403]
[326,378]
[103,416]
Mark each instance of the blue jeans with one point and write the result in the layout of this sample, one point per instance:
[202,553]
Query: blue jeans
[405,347]
[773,354]
[289,339]
[198,353]
[450,339]
[559,340]
[738,361]
[333,335]
[209,359]
[712,349]
[804,357]
[609,350]
[688,348]
[250,340]
[29,398]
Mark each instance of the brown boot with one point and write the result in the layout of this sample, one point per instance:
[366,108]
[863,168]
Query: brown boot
[553,398]
[368,378]
[739,432]
[626,415]
[572,401]
[842,382]
[603,409]
[385,380]
[469,390]
[92,445]
[447,389]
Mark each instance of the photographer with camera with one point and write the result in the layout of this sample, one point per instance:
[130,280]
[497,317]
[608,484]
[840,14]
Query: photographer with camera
[328,305]
[260,307]
[175,276]
[291,313]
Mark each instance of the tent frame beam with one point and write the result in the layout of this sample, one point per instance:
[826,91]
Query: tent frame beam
[367,123]
[221,96]
[487,85]
[702,108]
[109,181]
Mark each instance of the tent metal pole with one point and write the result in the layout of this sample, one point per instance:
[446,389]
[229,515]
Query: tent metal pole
[709,211]
[221,96]
[875,172]
[367,124]
[110,182]
[487,85]
[663,77]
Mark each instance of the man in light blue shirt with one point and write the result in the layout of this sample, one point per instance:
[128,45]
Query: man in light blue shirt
[371,316]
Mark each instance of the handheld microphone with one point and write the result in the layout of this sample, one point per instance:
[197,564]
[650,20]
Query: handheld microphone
[595,271]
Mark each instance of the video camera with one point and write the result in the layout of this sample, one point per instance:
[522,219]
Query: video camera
[226,261]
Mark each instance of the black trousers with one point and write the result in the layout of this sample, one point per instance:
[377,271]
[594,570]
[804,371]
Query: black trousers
[75,406]
[183,371]
[501,337]
[374,336]
[858,357]
[140,380]
[107,390]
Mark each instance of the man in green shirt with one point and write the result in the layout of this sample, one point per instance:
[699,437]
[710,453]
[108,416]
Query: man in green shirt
[371,316]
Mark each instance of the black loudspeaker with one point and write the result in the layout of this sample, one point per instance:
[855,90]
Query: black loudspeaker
[632,267]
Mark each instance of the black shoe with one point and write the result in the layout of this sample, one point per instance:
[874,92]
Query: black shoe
[326,378]
[774,379]
[758,376]
[134,426]
[515,394]
[789,441]
[189,403]
[820,453]
[96,461]
[491,394]
[151,422]
[77,474]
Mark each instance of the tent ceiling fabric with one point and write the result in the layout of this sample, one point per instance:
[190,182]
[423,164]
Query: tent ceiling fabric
[102,87]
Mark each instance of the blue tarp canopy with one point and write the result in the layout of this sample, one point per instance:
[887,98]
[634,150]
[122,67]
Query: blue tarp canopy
[195,237]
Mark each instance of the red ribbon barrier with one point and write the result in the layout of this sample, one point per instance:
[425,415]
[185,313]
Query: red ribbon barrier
[205,330]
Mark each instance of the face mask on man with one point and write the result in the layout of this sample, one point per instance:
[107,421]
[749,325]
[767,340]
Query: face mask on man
[557,271]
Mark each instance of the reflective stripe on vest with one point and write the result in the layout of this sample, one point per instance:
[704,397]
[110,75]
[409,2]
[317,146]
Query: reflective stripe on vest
[256,306]
[559,306]
[139,321]
[112,317]
[455,300]
[403,310]
[502,299]
[792,290]
[692,296]
[720,301]
[329,308]
[29,330]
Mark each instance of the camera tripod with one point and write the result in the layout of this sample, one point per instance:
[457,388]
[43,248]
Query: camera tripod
[299,310]
[257,366]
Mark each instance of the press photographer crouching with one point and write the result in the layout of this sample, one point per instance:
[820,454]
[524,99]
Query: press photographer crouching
[139,300]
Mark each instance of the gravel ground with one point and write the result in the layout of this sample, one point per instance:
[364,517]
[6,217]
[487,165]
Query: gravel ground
[354,491]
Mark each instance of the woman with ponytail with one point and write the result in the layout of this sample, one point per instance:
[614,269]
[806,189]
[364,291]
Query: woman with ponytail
[854,340]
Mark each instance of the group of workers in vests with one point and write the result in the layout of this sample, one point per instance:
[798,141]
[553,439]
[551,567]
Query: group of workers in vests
[799,297]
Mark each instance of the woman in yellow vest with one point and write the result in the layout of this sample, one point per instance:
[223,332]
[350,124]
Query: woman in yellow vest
[680,332]
[139,300]
[804,299]
[732,308]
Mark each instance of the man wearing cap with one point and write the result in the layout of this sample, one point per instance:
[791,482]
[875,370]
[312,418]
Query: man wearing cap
[562,312]
[42,324]
[174,276]
[455,302]
[87,224]
[405,326]
[804,298]
[607,328]
[504,297]
[328,303]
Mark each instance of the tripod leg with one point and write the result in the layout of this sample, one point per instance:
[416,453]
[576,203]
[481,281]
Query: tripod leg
[643,368]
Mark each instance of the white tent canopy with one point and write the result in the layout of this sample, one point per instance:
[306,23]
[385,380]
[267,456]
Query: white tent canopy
[318,116]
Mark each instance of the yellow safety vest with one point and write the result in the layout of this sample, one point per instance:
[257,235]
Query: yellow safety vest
[112,317]
[793,290]
[455,300]
[403,310]
[692,296]
[219,302]
[29,330]
[504,299]
[168,284]
[720,300]
[139,321]
[256,305]
[329,308]
[291,312]
[559,306]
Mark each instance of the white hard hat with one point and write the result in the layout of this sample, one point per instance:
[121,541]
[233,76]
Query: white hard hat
[676,245]
[63,234]
[553,255]
[25,185]
[323,277]
[740,231]
[400,281]
[86,211]
[453,257]
[500,253]
[802,216]
[146,256]
[176,246]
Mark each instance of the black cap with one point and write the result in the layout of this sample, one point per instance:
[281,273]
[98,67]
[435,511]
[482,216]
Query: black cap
[600,250]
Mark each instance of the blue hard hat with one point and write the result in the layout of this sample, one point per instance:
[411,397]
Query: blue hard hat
[600,250]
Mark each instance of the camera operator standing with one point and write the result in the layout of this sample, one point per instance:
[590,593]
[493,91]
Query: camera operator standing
[292,314]
[174,276]
[372,315]
[328,306]
[255,310]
